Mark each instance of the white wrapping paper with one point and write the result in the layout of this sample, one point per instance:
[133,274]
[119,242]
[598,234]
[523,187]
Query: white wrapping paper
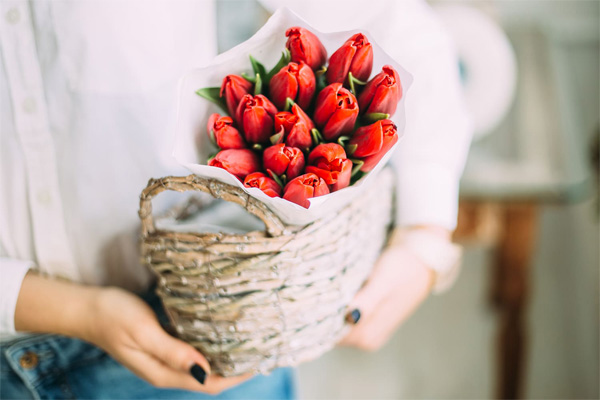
[193,147]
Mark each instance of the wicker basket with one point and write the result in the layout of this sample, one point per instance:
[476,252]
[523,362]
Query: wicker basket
[257,301]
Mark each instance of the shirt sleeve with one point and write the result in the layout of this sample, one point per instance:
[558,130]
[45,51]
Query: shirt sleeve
[12,272]
[430,157]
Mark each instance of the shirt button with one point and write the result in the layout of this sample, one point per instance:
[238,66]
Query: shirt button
[44,197]
[13,16]
[29,360]
[29,105]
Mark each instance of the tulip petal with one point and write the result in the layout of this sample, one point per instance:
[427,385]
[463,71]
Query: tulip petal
[339,63]
[299,136]
[327,151]
[368,140]
[326,104]
[341,123]
[275,159]
[362,63]
[306,86]
[283,85]
[258,125]
[344,175]
[371,161]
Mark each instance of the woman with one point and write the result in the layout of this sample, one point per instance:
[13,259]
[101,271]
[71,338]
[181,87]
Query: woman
[91,95]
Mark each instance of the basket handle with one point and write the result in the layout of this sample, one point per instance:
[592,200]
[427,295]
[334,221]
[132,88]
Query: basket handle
[219,190]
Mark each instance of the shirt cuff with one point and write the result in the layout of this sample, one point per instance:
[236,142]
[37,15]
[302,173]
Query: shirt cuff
[12,272]
[426,195]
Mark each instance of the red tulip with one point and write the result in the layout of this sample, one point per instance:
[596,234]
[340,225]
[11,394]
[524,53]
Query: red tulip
[305,47]
[264,183]
[382,93]
[255,117]
[238,162]
[369,139]
[356,56]
[336,111]
[329,162]
[373,142]
[295,127]
[222,130]
[296,81]
[281,159]
[304,187]
[233,89]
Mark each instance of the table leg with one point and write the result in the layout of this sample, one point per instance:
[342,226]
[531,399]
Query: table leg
[510,293]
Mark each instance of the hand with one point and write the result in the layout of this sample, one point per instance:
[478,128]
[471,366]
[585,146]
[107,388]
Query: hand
[397,286]
[126,327]
[121,324]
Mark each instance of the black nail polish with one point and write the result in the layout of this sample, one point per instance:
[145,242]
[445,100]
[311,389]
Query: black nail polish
[198,373]
[353,316]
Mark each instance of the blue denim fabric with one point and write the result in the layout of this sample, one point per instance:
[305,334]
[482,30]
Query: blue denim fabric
[68,368]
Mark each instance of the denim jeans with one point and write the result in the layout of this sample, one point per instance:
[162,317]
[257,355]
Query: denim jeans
[59,367]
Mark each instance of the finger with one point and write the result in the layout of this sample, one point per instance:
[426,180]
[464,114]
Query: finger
[377,288]
[173,352]
[159,374]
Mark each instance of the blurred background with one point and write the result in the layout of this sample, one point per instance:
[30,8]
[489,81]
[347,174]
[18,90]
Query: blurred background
[523,319]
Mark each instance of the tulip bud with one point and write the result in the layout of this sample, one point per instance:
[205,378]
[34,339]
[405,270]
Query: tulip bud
[305,47]
[255,117]
[382,93]
[221,130]
[296,81]
[233,89]
[295,126]
[336,111]
[373,142]
[329,162]
[238,162]
[281,159]
[264,183]
[304,187]
[355,56]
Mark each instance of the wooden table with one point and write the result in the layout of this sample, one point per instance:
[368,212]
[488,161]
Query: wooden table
[534,158]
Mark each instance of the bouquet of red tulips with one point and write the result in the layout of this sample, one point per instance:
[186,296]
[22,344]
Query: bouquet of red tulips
[295,128]
[308,126]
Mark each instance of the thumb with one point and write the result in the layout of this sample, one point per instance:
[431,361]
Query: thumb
[383,280]
[173,352]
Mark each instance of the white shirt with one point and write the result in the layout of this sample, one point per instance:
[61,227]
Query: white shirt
[87,108]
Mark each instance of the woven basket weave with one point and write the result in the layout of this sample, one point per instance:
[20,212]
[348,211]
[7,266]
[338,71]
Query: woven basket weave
[262,300]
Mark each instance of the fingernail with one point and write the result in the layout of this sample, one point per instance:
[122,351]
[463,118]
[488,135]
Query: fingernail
[198,373]
[353,316]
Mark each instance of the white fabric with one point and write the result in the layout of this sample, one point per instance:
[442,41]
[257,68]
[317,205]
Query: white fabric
[87,108]
[431,156]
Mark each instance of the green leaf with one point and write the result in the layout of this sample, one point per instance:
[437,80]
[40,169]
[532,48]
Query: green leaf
[356,178]
[257,67]
[289,102]
[257,147]
[374,117]
[320,78]
[283,61]
[357,166]
[342,140]
[210,158]
[316,136]
[213,94]
[276,178]
[258,85]
[354,83]
[278,137]
[211,134]
[350,149]
[249,78]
